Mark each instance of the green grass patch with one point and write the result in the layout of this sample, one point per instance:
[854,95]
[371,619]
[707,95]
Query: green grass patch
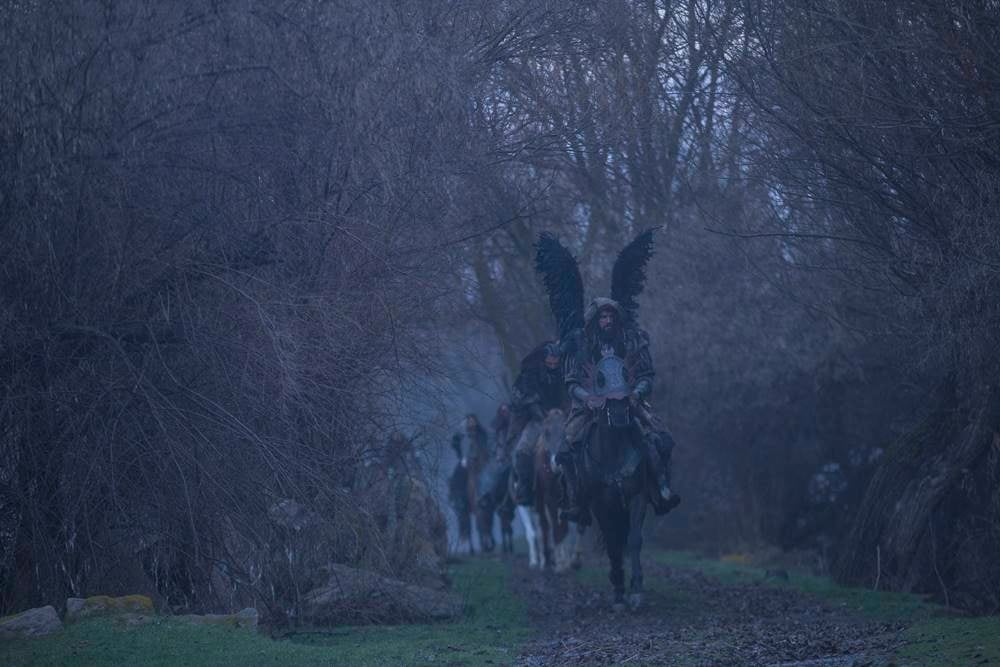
[489,634]
[880,605]
[951,641]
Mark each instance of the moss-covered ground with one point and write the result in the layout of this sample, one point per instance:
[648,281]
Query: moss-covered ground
[489,633]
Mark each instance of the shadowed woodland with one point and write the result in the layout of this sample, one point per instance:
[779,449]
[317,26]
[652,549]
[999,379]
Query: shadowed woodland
[243,243]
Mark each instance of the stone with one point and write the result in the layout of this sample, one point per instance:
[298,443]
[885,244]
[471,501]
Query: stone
[31,623]
[131,620]
[97,605]
[352,594]
[246,618]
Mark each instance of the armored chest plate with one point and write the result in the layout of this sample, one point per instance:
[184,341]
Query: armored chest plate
[609,379]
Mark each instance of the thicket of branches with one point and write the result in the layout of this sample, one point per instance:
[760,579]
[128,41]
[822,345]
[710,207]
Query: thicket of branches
[880,132]
[224,230]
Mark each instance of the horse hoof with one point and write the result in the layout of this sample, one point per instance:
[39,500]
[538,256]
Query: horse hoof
[634,601]
[618,607]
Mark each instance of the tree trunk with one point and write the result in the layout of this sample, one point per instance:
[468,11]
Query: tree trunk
[900,531]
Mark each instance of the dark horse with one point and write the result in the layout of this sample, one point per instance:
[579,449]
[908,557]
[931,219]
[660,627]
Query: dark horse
[495,499]
[615,478]
[458,498]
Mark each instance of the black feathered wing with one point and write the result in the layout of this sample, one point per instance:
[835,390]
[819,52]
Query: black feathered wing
[628,277]
[561,276]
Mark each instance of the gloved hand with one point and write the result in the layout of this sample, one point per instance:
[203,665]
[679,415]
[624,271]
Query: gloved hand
[587,398]
[639,392]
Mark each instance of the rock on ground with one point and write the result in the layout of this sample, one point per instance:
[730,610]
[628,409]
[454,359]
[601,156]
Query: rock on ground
[32,623]
[77,608]
[243,619]
[360,595]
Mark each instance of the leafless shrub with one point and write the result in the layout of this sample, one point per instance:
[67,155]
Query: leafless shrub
[225,233]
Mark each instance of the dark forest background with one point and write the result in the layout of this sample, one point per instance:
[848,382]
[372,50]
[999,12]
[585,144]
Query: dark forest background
[239,237]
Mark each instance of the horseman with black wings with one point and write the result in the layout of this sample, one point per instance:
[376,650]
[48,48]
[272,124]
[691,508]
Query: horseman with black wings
[608,370]
[615,454]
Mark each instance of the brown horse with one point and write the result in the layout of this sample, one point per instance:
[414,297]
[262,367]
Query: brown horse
[547,534]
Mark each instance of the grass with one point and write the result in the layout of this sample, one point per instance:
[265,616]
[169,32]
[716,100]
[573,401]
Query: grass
[494,626]
[944,642]
[739,570]
[488,634]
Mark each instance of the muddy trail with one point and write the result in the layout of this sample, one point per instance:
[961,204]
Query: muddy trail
[688,618]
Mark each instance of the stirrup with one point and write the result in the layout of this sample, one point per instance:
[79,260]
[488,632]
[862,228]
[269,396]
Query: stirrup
[663,505]
[570,514]
[575,514]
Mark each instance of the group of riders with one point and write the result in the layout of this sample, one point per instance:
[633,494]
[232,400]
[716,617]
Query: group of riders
[604,358]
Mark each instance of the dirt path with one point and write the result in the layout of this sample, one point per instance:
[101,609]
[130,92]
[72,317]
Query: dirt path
[690,619]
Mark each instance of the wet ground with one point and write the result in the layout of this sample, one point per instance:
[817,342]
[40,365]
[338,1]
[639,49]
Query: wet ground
[690,619]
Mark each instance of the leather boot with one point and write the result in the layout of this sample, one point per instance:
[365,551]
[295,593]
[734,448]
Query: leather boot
[659,447]
[572,508]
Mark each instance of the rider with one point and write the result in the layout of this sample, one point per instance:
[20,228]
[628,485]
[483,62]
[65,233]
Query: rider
[605,334]
[538,389]
[477,454]
[501,427]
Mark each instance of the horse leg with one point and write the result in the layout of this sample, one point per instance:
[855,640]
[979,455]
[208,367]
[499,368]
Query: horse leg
[564,546]
[506,516]
[616,554]
[464,530]
[636,516]
[610,520]
[489,527]
[528,522]
[544,527]
[486,540]
[539,536]
[468,533]
[560,531]
[577,561]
